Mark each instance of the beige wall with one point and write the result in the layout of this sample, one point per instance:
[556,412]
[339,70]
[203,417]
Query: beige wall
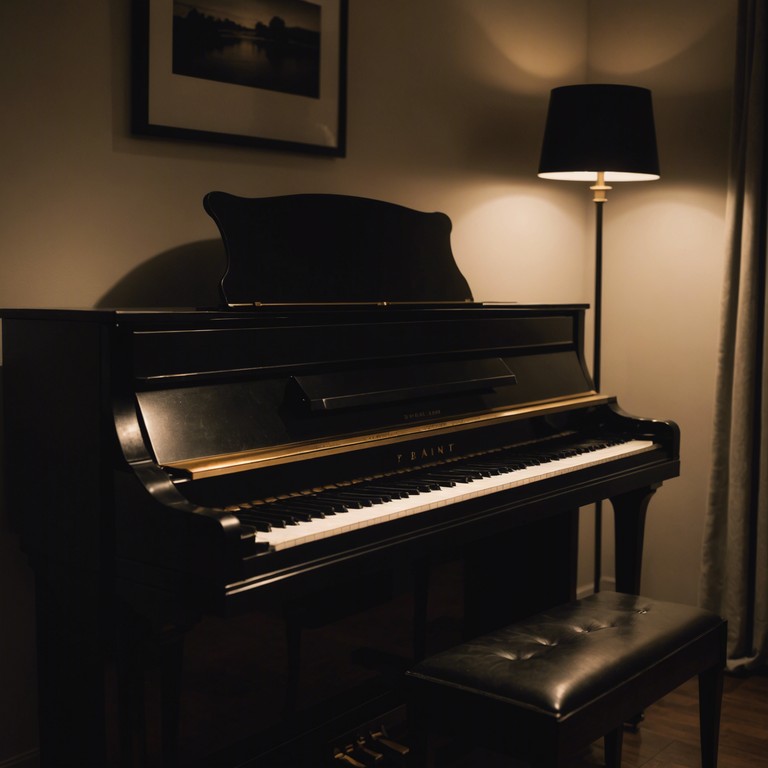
[663,251]
[446,106]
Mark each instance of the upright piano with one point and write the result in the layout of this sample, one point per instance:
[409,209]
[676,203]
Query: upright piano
[165,465]
[245,523]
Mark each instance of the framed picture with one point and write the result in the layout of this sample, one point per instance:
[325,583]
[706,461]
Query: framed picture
[269,73]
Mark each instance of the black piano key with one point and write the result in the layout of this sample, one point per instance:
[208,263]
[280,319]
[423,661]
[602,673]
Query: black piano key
[505,460]
[552,456]
[378,495]
[447,479]
[291,512]
[254,522]
[464,474]
[514,454]
[250,544]
[278,519]
[294,511]
[527,460]
[314,504]
[510,466]
[351,503]
[247,531]
[443,481]
[409,486]
[366,499]
[247,515]
[419,486]
[483,469]
[393,491]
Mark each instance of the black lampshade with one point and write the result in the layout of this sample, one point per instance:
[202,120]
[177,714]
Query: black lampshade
[593,128]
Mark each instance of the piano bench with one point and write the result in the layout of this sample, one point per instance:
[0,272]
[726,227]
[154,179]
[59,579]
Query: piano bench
[543,689]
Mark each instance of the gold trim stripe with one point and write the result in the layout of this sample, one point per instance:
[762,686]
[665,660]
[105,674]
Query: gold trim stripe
[243,461]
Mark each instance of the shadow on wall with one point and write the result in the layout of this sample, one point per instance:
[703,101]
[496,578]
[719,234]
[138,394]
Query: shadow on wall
[187,276]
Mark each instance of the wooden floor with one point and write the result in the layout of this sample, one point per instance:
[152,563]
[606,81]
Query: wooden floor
[669,735]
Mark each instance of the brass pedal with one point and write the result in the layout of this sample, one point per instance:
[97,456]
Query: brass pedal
[370,756]
[381,737]
[344,756]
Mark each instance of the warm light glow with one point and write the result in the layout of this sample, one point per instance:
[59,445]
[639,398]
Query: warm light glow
[591,176]
[505,258]
[642,39]
[538,43]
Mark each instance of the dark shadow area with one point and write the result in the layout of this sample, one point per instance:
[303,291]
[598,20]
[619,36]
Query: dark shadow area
[186,276]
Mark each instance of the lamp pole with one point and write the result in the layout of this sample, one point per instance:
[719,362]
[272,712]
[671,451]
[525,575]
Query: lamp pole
[599,199]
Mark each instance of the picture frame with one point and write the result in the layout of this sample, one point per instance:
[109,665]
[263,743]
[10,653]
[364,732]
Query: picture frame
[261,73]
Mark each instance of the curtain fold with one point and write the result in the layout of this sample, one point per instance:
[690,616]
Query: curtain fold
[734,578]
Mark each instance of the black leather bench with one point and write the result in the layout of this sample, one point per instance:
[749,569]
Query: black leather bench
[543,689]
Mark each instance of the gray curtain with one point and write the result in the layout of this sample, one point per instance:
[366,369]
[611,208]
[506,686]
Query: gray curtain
[735,554]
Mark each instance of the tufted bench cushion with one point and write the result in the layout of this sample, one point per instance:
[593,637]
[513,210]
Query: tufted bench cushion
[549,685]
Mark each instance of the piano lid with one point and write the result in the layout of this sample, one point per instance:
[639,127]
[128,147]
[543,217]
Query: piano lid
[317,248]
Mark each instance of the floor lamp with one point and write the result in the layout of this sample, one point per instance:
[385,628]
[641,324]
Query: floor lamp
[599,134]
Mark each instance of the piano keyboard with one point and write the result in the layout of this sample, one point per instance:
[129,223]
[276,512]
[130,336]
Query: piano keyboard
[282,523]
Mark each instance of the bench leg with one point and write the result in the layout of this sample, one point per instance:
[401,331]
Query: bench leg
[613,744]
[710,697]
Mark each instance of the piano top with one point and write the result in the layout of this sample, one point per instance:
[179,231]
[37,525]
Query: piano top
[248,312]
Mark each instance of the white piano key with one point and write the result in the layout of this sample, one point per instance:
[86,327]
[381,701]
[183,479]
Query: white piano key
[353,519]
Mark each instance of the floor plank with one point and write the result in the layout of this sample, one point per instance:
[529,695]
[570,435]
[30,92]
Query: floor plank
[669,735]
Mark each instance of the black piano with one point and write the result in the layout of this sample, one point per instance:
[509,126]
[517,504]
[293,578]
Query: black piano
[246,522]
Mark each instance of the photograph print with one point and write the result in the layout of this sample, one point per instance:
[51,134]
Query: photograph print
[261,72]
[273,44]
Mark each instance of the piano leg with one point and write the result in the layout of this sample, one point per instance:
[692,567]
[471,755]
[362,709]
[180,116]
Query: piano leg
[172,656]
[629,525]
[130,694]
[629,512]
[139,649]
[71,679]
